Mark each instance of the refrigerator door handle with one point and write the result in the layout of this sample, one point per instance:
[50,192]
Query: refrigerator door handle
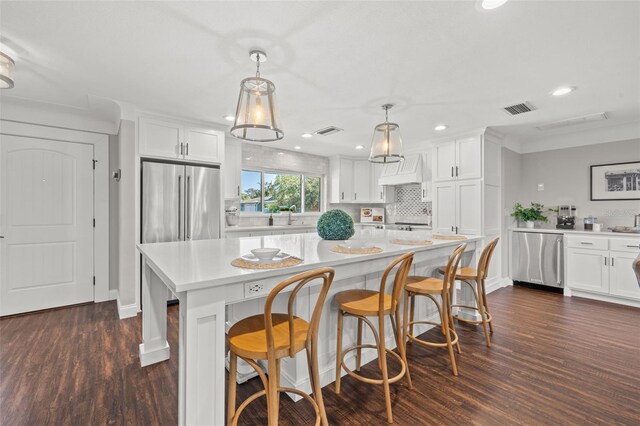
[188,214]
[179,204]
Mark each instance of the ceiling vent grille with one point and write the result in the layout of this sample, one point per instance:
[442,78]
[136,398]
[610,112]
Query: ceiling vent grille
[574,121]
[328,131]
[519,108]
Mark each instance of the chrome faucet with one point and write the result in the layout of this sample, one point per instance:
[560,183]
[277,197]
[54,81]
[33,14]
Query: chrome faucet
[636,222]
[292,208]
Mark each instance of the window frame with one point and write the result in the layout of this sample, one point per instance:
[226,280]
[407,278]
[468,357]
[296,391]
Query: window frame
[302,190]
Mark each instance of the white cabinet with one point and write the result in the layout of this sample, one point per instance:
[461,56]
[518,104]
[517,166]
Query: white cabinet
[622,278]
[602,265]
[380,193]
[458,159]
[588,269]
[457,207]
[175,140]
[231,169]
[361,181]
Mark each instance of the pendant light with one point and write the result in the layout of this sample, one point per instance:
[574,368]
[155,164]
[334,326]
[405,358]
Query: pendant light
[6,71]
[256,117]
[386,146]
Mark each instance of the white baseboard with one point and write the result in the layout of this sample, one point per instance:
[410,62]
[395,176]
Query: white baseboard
[153,356]
[126,311]
[495,284]
[113,294]
[601,297]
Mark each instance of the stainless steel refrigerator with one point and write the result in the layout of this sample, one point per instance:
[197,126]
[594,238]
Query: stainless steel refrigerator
[180,202]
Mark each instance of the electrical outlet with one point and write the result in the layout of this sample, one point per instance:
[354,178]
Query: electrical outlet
[541,187]
[252,289]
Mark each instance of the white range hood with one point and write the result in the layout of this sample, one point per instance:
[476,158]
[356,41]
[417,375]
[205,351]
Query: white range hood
[404,172]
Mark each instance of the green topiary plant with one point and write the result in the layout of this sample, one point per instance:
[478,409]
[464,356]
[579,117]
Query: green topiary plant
[335,225]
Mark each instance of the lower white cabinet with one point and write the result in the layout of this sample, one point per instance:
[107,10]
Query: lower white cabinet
[457,207]
[602,265]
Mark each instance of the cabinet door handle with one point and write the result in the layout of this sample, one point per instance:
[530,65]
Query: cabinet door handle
[456,167]
[381,197]
[456,229]
[613,261]
[586,243]
[187,151]
[181,148]
[238,190]
[632,246]
[605,261]
[451,171]
[423,193]
[343,195]
[355,195]
[452,229]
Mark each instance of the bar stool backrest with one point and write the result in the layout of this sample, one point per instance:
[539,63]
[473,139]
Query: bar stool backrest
[404,265]
[485,258]
[299,280]
[451,268]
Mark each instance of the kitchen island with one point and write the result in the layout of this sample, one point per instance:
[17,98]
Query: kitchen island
[200,274]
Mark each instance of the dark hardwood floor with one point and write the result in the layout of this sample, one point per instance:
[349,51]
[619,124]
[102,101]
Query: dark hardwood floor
[554,360]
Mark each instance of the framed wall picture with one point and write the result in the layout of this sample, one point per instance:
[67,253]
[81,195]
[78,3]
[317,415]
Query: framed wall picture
[619,181]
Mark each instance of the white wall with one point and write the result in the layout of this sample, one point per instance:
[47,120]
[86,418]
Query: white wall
[114,195]
[127,305]
[565,174]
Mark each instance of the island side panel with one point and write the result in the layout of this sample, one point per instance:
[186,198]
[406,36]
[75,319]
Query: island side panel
[154,347]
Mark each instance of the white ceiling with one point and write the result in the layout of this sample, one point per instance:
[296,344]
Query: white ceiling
[335,63]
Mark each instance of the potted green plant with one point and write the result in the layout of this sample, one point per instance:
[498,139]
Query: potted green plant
[529,215]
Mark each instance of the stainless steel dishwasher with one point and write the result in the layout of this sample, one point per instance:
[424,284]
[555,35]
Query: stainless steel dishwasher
[537,258]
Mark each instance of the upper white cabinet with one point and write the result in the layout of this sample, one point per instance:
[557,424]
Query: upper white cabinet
[457,207]
[380,193]
[361,180]
[231,169]
[175,140]
[341,175]
[458,159]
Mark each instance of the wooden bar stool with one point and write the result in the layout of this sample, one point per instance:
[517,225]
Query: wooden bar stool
[430,287]
[272,337]
[370,303]
[468,275]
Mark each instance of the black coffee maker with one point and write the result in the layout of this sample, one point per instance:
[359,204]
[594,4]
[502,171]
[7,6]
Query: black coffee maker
[566,217]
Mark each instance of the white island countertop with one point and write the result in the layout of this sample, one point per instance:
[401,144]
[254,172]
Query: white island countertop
[189,265]
[268,228]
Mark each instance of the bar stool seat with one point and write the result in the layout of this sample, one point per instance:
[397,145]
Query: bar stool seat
[362,302]
[424,285]
[248,337]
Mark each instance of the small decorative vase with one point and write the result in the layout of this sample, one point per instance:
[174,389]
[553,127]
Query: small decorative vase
[335,224]
[271,220]
[529,224]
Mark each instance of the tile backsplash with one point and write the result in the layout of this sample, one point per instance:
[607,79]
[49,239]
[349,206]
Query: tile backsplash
[409,206]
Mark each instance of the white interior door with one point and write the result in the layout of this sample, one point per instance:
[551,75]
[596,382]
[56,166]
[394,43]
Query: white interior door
[46,218]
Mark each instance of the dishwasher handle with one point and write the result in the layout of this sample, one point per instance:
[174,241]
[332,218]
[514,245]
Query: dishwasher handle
[558,261]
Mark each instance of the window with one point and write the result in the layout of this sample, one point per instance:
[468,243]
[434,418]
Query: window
[263,191]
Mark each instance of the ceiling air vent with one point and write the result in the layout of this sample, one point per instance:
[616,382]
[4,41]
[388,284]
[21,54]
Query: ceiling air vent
[328,131]
[573,121]
[519,108]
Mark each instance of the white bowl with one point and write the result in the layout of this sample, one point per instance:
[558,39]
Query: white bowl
[265,253]
[356,244]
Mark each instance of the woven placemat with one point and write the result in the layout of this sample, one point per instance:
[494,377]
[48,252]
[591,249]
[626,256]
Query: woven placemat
[411,242]
[371,250]
[241,263]
[449,237]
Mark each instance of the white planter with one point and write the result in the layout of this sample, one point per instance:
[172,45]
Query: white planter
[529,224]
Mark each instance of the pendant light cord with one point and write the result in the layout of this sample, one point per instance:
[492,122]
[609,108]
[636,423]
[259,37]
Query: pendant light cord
[258,65]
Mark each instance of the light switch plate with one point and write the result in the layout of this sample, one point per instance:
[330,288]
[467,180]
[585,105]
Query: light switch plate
[541,187]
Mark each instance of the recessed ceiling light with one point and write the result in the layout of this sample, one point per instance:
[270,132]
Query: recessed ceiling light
[440,127]
[229,117]
[560,91]
[281,153]
[306,135]
[297,147]
[359,146]
[492,4]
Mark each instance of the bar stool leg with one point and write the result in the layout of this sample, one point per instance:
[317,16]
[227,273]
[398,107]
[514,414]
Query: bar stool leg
[382,356]
[452,324]
[400,343]
[447,335]
[483,314]
[339,351]
[486,306]
[359,342]
[413,311]
[312,362]
[273,398]
[233,372]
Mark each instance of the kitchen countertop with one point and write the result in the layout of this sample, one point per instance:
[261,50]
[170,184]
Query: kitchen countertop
[575,231]
[190,265]
[267,227]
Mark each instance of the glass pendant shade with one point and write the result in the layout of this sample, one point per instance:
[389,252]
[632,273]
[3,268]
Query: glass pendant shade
[386,145]
[6,71]
[257,114]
